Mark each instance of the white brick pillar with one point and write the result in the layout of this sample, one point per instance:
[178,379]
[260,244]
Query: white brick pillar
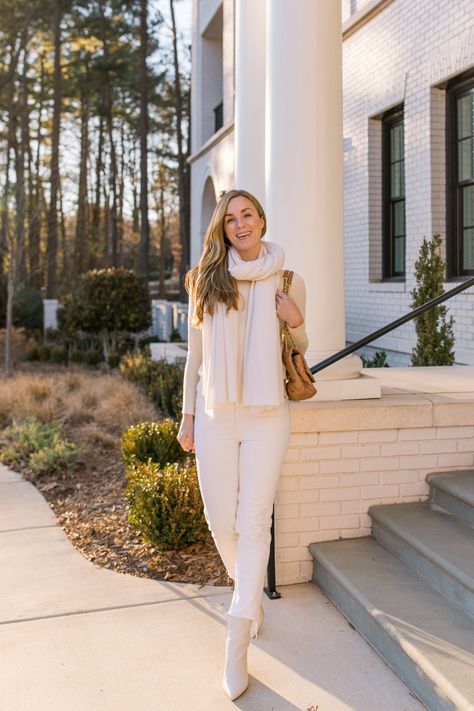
[304,174]
[249,169]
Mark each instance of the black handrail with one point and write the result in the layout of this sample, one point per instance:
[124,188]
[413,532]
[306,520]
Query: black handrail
[391,326]
[271,590]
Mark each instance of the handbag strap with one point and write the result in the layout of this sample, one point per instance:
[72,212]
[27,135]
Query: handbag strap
[287,279]
[285,334]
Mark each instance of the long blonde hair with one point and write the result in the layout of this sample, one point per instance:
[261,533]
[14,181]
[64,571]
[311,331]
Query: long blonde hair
[210,280]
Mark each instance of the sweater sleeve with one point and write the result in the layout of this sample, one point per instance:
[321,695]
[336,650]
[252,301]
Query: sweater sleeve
[193,361]
[298,294]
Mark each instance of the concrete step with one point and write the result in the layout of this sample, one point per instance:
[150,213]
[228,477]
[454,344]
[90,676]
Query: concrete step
[454,491]
[424,637]
[433,543]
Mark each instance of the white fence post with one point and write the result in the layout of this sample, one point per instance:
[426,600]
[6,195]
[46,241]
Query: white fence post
[162,319]
[50,313]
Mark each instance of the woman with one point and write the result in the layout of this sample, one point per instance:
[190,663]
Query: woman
[235,407]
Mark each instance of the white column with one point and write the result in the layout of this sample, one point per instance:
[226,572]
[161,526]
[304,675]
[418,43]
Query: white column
[250,96]
[304,171]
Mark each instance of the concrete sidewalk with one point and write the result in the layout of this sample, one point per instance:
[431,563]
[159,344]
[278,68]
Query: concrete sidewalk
[76,637]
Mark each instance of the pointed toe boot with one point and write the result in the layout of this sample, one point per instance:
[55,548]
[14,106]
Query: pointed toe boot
[236,645]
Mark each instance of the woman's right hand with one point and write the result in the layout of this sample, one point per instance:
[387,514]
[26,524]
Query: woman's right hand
[185,435]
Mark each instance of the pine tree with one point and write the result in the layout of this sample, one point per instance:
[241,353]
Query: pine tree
[435,336]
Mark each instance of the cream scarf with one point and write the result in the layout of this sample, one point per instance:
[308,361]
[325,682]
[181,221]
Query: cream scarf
[262,384]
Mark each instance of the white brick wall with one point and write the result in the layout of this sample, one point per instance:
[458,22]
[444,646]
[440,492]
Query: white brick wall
[400,55]
[333,474]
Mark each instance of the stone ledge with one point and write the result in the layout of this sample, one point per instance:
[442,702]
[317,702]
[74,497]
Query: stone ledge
[395,409]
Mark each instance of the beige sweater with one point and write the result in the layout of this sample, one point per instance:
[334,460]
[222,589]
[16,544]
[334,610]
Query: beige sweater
[193,369]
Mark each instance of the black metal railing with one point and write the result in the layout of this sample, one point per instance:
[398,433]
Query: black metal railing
[271,590]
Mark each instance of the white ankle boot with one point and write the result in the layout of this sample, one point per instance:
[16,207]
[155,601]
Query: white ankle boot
[237,638]
[256,624]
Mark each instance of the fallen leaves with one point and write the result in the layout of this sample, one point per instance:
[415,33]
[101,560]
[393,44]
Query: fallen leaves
[91,508]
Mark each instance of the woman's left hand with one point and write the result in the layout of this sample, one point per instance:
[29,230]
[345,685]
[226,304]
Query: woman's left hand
[287,310]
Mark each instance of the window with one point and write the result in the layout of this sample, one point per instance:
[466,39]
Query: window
[219,116]
[393,178]
[460,177]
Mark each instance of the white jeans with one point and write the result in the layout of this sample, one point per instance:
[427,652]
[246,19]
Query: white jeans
[239,454]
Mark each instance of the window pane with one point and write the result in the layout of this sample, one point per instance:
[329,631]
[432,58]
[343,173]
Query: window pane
[465,149]
[396,142]
[399,218]
[468,249]
[399,256]
[468,206]
[396,180]
[465,115]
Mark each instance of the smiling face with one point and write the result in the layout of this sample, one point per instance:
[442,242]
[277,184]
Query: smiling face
[243,227]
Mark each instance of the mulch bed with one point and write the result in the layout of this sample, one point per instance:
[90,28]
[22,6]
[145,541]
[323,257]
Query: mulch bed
[90,505]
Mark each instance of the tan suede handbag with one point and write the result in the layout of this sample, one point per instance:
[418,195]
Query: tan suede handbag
[299,380]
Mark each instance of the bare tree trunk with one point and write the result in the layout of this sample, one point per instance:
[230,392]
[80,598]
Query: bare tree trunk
[52,249]
[144,246]
[20,208]
[82,222]
[107,224]
[162,291]
[9,319]
[183,173]
[34,218]
[10,111]
[96,217]
[135,208]
[113,242]
[112,255]
[14,238]
[66,269]
[8,242]
[21,153]
[121,194]
[5,211]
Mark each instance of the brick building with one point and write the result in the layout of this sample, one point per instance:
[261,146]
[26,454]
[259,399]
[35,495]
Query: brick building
[408,85]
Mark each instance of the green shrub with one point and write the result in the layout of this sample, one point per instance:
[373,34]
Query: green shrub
[76,356]
[167,390]
[28,309]
[144,341]
[152,441]
[175,336]
[113,360]
[53,335]
[44,353]
[165,505]
[58,355]
[106,304]
[434,329]
[378,360]
[160,380]
[37,446]
[33,354]
[138,369]
[93,357]
[61,454]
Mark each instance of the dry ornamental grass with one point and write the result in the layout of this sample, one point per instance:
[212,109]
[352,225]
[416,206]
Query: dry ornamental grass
[89,500]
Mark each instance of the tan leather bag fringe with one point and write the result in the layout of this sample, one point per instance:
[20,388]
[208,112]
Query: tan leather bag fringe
[299,380]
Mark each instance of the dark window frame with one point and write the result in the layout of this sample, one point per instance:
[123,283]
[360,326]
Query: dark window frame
[218,116]
[455,88]
[390,118]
